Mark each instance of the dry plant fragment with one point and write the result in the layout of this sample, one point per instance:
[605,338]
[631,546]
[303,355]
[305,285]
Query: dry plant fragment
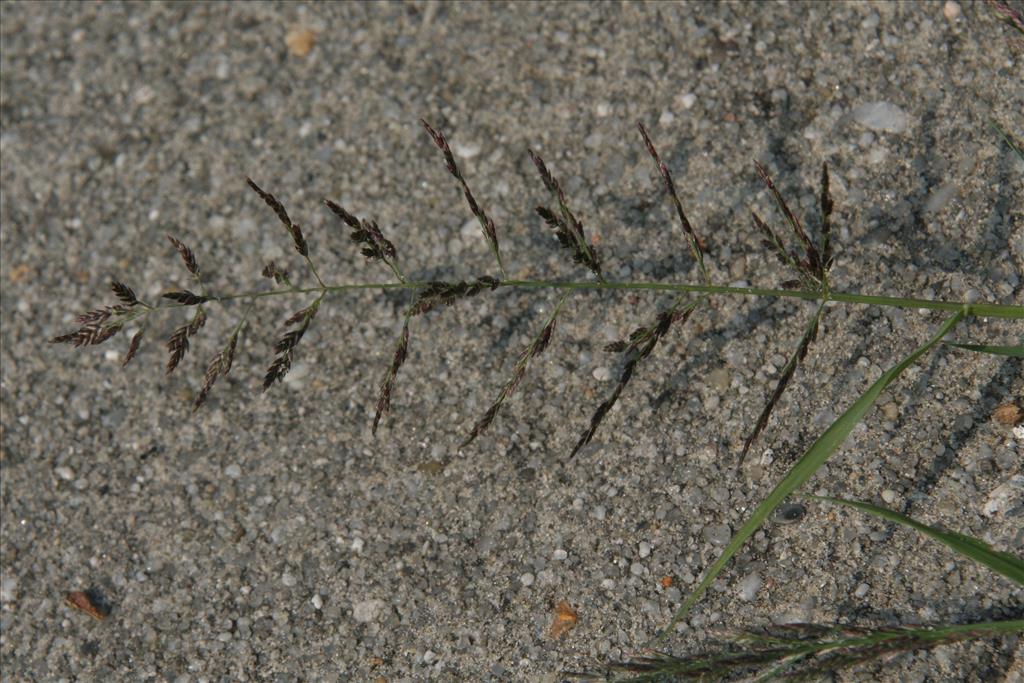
[1008,414]
[565,619]
[88,602]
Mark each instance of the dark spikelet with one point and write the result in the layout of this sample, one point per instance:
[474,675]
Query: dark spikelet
[285,346]
[641,345]
[218,367]
[187,255]
[124,293]
[670,190]
[278,208]
[536,347]
[366,233]
[486,224]
[89,335]
[813,260]
[774,243]
[388,385]
[279,275]
[826,219]
[97,315]
[446,293]
[177,345]
[186,298]
[133,347]
[810,334]
[568,228]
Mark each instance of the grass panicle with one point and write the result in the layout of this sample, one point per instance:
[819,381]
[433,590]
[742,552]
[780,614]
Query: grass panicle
[367,233]
[640,346]
[294,230]
[217,368]
[804,651]
[696,246]
[437,293]
[187,255]
[285,346]
[387,386]
[177,345]
[486,224]
[568,229]
[536,347]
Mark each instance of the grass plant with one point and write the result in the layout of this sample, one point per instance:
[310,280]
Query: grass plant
[797,652]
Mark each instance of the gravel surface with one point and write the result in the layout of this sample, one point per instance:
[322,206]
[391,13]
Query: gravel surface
[272,537]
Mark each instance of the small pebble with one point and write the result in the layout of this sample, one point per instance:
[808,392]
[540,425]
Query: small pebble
[65,473]
[644,548]
[688,100]
[559,555]
[881,116]
[233,471]
[749,586]
[527,579]
[602,374]
[357,545]
[608,584]
[636,569]
[288,579]
[951,10]
[317,601]
[861,591]
[789,513]
[889,496]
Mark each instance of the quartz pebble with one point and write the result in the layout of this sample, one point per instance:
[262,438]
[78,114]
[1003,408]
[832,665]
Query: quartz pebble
[749,586]
[881,116]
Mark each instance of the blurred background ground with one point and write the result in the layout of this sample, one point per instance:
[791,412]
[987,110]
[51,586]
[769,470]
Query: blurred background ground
[271,537]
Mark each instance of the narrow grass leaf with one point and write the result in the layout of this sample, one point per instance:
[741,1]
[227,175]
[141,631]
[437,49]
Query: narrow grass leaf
[1003,563]
[1012,351]
[827,444]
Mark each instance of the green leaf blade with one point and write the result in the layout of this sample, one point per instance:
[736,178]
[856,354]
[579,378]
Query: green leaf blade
[1003,563]
[804,468]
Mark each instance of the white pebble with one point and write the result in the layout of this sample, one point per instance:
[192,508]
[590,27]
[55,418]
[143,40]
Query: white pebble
[749,586]
[602,374]
[881,116]
[65,473]
[644,548]
[429,656]
[233,471]
[861,591]
[688,100]
[951,10]
[559,555]
[357,545]
[666,118]
[603,109]
[526,579]
[608,584]
[889,496]
[466,150]
[317,601]
[367,610]
[288,579]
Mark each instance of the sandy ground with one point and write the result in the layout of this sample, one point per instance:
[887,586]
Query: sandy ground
[272,537]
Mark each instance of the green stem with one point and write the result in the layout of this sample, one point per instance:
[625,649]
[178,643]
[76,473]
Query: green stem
[985,310]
